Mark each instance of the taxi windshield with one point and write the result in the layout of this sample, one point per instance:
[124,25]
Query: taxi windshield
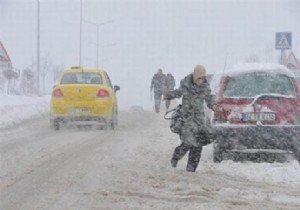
[81,78]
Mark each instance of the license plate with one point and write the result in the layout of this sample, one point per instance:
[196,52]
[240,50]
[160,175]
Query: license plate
[258,116]
[79,110]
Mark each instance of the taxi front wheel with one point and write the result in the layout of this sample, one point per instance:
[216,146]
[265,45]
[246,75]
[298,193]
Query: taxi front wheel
[113,122]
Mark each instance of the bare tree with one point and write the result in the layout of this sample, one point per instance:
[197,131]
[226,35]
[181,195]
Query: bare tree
[2,83]
[252,59]
[57,70]
[27,82]
[269,53]
[47,66]
[10,74]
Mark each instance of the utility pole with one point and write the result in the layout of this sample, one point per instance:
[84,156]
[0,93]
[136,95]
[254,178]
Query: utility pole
[102,52]
[80,33]
[225,63]
[38,46]
[98,25]
[282,57]
[97,53]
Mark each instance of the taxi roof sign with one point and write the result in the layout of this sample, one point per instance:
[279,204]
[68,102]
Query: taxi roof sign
[75,67]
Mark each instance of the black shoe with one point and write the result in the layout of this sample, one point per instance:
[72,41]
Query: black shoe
[190,169]
[174,163]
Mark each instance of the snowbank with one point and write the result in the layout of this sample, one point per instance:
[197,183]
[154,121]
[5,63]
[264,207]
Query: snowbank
[16,109]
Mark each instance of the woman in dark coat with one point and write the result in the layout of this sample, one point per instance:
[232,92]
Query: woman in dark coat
[194,90]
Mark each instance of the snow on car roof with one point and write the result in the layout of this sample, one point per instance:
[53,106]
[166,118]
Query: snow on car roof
[273,68]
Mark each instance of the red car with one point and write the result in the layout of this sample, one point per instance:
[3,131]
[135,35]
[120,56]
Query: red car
[259,113]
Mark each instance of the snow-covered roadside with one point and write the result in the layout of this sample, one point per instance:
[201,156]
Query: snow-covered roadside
[16,109]
[135,173]
[286,173]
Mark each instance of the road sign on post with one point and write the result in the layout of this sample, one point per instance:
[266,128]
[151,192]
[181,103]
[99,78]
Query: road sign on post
[283,40]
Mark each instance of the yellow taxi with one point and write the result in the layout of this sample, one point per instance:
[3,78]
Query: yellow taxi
[84,95]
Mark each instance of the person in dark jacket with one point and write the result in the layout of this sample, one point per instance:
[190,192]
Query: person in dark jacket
[169,86]
[194,90]
[157,84]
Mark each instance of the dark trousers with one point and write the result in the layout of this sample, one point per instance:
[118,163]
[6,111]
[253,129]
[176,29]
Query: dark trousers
[194,155]
[157,100]
[168,102]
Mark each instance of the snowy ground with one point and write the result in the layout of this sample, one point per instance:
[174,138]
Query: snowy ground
[17,109]
[124,169]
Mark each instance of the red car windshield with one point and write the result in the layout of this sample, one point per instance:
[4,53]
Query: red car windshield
[253,84]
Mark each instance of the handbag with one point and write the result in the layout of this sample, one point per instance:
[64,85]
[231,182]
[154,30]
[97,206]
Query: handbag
[176,120]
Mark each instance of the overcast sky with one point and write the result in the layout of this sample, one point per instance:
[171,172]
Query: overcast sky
[147,35]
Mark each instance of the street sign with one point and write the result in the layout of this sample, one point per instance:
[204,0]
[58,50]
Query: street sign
[292,62]
[283,40]
[5,62]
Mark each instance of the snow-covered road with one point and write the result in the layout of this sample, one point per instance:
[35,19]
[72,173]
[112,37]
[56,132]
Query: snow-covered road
[129,169]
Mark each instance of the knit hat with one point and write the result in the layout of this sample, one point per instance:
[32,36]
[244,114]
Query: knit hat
[199,71]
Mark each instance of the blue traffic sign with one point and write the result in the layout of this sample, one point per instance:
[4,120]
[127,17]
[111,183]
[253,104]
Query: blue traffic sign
[283,40]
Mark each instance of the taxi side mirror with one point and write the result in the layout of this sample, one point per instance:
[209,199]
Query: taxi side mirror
[116,88]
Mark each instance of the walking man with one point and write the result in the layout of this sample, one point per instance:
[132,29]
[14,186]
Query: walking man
[157,84]
[169,86]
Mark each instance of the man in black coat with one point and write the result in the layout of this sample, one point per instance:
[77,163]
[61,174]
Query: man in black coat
[157,83]
[169,86]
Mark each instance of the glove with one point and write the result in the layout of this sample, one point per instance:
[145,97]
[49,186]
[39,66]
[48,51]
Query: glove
[204,137]
[166,96]
[216,108]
